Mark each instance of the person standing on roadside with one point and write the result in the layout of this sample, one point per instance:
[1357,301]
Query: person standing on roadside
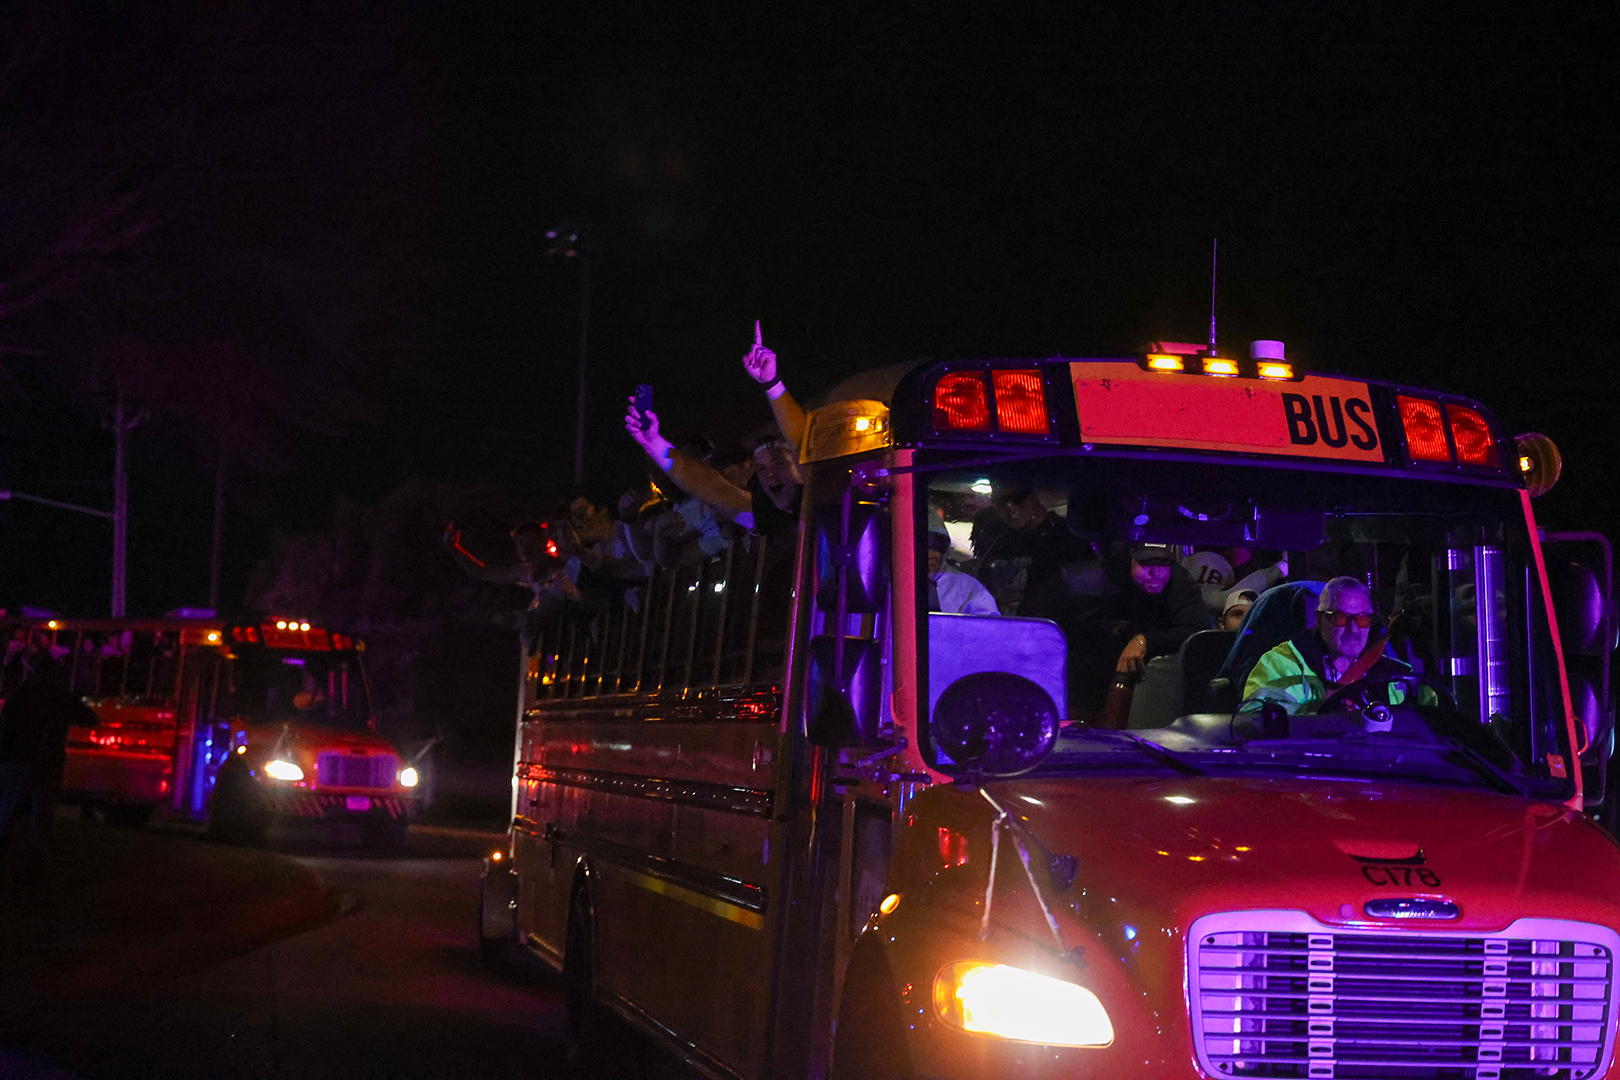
[33,749]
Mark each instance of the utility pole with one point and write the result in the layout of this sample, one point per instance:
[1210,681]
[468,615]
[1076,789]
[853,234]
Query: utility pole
[120,553]
[579,404]
[568,242]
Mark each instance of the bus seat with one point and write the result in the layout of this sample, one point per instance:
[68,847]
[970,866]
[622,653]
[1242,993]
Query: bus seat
[1277,615]
[1200,689]
[1154,702]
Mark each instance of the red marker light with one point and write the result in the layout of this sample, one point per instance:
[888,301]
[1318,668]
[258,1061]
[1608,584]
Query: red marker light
[1475,445]
[551,547]
[1020,402]
[961,402]
[1425,430]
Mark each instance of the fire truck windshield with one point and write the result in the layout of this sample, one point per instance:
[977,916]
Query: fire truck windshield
[268,685]
[1179,602]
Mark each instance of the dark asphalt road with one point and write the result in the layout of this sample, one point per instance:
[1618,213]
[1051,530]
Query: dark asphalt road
[393,987]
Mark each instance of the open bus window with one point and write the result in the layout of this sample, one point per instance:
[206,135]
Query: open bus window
[281,686]
[1454,560]
[716,620]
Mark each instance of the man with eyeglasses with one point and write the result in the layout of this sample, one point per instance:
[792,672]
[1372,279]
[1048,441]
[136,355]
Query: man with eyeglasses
[1302,672]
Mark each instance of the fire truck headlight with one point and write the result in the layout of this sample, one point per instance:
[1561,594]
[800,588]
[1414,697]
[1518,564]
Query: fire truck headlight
[408,777]
[282,770]
[1010,1003]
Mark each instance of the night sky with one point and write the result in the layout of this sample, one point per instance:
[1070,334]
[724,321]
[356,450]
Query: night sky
[1397,193]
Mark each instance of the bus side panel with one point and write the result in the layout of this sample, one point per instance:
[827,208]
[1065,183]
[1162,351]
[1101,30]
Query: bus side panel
[675,820]
[128,757]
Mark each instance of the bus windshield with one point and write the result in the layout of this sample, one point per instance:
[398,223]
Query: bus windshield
[276,686]
[1142,595]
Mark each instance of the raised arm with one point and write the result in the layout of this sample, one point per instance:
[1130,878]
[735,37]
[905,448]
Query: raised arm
[474,567]
[760,363]
[690,475]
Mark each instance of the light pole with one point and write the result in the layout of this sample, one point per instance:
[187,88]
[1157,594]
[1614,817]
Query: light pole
[568,242]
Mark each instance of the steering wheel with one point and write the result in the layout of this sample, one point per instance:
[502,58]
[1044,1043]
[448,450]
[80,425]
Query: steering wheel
[1360,688]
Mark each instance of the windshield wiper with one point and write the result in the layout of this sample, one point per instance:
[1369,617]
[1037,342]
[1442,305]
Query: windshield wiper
[1482,765]
[1124,738]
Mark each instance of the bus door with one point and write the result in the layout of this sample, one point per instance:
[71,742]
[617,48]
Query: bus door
[855,781]
[204,739]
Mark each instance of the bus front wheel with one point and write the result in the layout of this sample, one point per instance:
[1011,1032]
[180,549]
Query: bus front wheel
[870,1042]
[586,1022]
[235,814]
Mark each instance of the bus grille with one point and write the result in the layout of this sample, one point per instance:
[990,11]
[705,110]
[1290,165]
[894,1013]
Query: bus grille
[1277,994]
[350,770]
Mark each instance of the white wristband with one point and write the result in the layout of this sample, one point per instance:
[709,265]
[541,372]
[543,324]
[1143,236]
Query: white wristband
[775,390]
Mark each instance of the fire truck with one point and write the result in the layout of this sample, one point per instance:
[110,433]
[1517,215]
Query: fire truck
[776,812]
[237,724]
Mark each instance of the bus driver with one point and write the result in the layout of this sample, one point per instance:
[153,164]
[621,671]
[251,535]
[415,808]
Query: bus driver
[1302,672]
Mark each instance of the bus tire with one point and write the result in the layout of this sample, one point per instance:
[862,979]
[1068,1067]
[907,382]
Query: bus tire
[234,813]
[497,919]
[585,1022]
[870,1043]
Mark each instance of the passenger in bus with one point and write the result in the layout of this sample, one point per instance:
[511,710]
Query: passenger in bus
[1238,603]
[309,695]
[1302,672]
[760,363]
[768,505]
[534,568]
[1119,614]
[950,590]
[593,555]
[1020,546]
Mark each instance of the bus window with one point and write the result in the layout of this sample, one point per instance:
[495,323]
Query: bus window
[277,685]
[1452,560]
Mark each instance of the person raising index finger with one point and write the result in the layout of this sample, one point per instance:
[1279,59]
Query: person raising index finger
[760,363]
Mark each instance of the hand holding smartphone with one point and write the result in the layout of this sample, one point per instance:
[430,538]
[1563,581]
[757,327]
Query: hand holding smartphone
[643,403]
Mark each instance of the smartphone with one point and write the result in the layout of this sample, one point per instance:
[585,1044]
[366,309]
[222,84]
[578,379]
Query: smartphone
[644,404]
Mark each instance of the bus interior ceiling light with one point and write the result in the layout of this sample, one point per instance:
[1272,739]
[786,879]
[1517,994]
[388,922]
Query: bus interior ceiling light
[1011,1003]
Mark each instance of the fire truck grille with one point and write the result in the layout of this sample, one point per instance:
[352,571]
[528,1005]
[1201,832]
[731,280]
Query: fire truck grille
[351,770]
[1306,1000]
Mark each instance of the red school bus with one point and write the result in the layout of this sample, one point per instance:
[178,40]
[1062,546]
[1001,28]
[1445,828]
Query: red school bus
[238,724]
[776,813]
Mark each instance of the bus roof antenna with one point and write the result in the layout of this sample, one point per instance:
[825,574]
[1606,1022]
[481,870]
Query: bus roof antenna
[1214,250]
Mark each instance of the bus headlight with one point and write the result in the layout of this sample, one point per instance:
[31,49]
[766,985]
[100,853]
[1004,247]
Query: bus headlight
[408,777]
[282,770]
[1011,1003]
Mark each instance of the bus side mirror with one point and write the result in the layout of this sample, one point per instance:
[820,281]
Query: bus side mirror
[1580,572]
[844,699]
[997,691]
[862,559]
[844,712]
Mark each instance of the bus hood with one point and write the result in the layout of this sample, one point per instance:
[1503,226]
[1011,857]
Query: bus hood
[1157,853]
